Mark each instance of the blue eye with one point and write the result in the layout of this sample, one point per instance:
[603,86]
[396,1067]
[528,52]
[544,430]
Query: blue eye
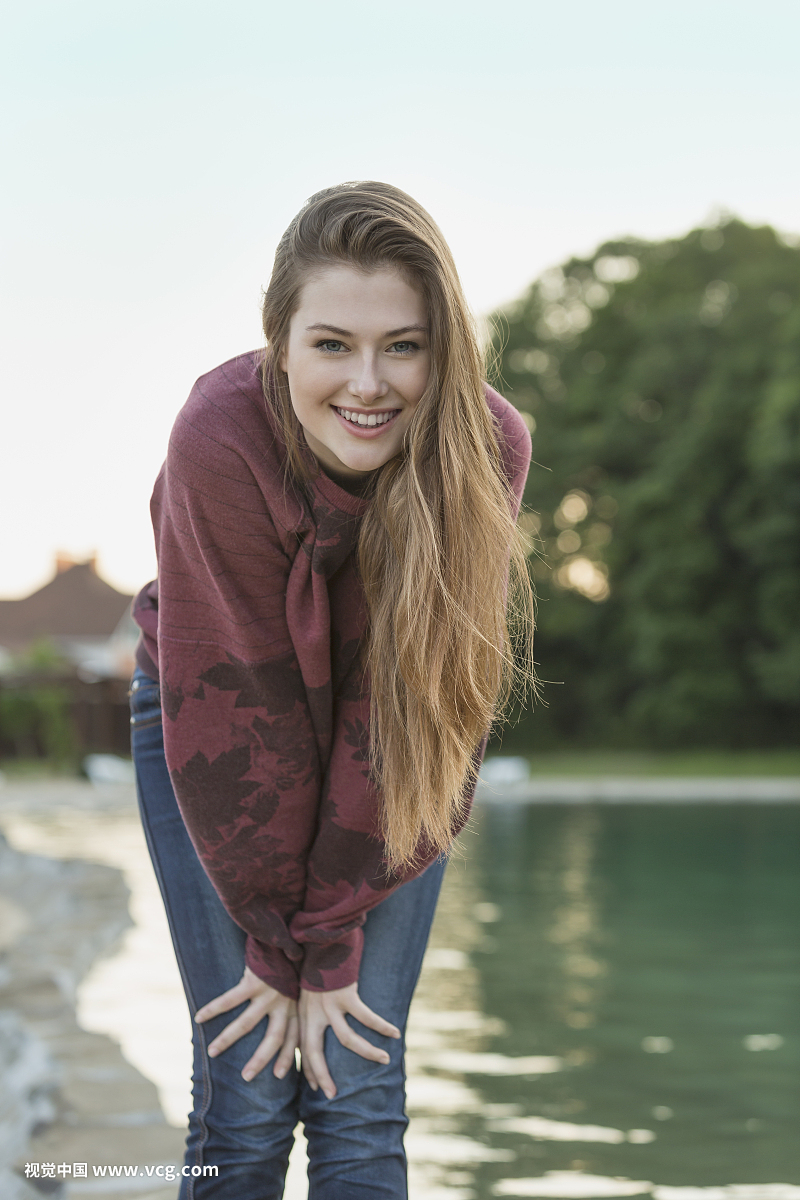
[405,347]
[330,346]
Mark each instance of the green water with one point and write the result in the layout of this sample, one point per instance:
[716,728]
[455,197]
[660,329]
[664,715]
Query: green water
[648,946]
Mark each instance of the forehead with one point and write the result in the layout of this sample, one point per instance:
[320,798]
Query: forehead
[342,293]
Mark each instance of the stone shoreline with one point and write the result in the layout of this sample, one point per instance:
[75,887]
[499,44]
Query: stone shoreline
[627,789]
[66,1095]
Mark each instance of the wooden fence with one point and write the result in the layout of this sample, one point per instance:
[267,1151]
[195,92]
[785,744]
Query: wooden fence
[59,716]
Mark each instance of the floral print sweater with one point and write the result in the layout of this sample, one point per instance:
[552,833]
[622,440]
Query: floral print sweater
[252,629]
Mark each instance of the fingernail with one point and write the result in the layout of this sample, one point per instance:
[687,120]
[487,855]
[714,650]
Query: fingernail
[385,1058]
[248,1075]
[314,1087]
[279,1073]
[212,1052]
[198,1016]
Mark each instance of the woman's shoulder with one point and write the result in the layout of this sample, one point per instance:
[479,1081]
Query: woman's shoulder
[226,415]
[515,438]
[228,401]
[225,444]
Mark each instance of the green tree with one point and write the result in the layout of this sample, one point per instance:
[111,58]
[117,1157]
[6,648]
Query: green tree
[35,718]
[663,384]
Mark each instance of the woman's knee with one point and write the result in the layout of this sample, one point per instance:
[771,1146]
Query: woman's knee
[366,1118]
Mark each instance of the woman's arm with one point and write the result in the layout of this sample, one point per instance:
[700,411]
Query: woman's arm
[346,873]
[239,737]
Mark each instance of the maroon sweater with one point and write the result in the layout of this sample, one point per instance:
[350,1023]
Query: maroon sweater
[254,624]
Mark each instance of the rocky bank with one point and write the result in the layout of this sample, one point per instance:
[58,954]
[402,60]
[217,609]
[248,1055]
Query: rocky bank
[66,1095]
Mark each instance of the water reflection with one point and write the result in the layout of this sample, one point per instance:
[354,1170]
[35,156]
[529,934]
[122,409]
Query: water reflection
[576,923]
[645,946]
[609,1005]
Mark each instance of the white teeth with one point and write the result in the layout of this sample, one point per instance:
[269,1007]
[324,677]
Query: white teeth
[364,418]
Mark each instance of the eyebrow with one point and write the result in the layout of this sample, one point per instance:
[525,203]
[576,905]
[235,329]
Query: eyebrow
[346,332]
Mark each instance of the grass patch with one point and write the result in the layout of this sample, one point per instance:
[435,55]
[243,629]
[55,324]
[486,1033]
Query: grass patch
[37,768]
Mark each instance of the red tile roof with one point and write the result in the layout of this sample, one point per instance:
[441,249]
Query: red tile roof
[77,603]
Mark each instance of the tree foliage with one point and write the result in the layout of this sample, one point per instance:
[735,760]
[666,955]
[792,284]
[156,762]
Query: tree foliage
[663,384]
[35,718]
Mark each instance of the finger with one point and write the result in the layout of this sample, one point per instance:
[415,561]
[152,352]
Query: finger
[224,1003]
[243,1024]
[285,1060]
[267,1047]
[359,1045]
[315,1067]
[305,1066]
[317,1073]
[366,1016]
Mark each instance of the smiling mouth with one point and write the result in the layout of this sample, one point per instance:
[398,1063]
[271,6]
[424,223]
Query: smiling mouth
[367,420]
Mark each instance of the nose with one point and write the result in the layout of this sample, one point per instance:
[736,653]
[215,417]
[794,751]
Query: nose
[366,383]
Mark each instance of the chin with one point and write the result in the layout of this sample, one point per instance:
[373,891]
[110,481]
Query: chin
[380,460]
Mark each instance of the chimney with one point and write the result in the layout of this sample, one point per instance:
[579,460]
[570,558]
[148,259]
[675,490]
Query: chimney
[65,562]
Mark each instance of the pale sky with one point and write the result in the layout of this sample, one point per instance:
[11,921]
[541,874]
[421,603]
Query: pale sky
[155,150]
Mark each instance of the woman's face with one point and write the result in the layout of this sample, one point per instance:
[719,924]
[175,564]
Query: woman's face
[357,360]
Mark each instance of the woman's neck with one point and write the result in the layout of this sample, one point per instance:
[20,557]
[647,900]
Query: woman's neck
[356,485]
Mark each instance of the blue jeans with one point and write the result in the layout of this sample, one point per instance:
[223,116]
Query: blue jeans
[355,1141]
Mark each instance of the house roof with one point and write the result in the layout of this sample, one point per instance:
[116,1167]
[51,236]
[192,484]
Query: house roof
[77,603]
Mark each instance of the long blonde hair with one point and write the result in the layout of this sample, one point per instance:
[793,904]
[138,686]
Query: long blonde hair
[442,563]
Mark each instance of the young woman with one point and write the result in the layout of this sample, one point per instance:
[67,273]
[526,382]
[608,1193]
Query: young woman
[329,640]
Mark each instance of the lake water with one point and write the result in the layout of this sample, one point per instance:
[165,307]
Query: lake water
[610,1004]
[655,949]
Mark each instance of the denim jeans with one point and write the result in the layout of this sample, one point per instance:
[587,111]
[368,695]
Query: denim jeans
[355,1141]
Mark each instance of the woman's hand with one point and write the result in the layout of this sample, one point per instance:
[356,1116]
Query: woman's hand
[318,1010]
[282,1030]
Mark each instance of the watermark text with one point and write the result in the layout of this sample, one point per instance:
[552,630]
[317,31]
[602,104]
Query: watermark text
[166,1171]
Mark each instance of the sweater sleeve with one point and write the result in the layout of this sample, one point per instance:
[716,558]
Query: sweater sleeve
[239,738]
[346,872]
